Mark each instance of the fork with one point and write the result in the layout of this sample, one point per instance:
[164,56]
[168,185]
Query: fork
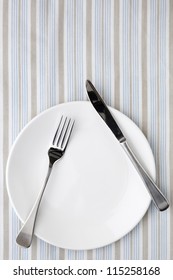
[55,152]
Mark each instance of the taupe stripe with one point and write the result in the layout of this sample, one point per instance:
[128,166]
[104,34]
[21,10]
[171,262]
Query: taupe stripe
[33,60]
[5,129]
[89,39]
[158,121]
[47,93]
[144,67]
[116,80]
[33,87]
[61,50]
[20,101]
[130,64]
[132,233]
[89,62]
[75,97]
[34,248]
[19,67]
[171,120]
[47,15]
[89,254]
[61,11]
[116,57]
[144,109]
[102,47]
[117,250]
[61,254]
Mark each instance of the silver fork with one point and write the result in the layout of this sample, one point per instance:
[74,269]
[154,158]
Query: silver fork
[55,152]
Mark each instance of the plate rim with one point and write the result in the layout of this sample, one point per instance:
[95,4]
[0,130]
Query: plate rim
[7,175]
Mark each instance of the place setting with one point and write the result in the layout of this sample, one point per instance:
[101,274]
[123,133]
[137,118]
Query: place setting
[81,175]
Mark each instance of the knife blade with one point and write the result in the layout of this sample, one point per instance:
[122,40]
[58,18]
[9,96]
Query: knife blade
[100,106]
[103,111]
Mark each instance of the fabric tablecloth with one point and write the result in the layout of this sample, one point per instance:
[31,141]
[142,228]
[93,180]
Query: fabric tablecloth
[48,49]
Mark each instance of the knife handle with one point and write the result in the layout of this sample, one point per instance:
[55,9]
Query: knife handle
[156,195]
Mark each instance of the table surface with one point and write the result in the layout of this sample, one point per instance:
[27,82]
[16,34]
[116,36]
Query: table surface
[47,51]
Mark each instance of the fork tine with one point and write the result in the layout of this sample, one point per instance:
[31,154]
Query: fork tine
[63,134]
[64,129]
[68,133]
[59,130]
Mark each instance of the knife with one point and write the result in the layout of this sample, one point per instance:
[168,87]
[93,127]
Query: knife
[157,196]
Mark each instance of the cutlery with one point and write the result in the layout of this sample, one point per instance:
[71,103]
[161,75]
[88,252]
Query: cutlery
[55,152]
[102,109]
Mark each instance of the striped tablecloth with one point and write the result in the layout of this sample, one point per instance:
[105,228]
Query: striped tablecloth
[47,50]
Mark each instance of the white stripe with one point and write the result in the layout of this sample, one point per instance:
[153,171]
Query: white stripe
[148,99]
[24,51]
[136,97]
[140,248]
[140,61]
[79,50]
[113,93]
[9,71]
[121,89]
[120,50]
[52,68]
[10,124]
[38,53]
[38,80]
[1,129]
[93,40]
[57,50]
[13,221]
[24,63]
[65,49]
[124,91]
[164,97]
[152,110]
[45,76]
[107,58]
[168,128]
[167,174]
[69,50]
[56,99]
[52,54]
[84,50]
[98,45]
[10,112]
[29,57]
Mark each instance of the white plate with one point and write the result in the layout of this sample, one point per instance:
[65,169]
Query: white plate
[94,195]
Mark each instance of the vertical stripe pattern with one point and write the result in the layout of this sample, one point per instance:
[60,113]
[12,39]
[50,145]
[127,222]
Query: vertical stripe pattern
[48,49]
[1,128]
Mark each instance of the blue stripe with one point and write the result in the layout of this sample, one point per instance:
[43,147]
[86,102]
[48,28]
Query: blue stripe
[24,76]
[42,80]
[125,93]
[52,53]
[80,80]
[136,97]
[70,50]
[42,57]
[153,120]
[107,51]
[163,125]
[15,105]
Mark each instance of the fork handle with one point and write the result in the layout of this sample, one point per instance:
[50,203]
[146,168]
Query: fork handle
[25,235]
[156,195]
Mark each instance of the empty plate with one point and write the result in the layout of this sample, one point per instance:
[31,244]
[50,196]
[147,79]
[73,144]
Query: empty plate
[94,195]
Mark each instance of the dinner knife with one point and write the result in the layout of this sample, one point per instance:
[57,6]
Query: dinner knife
[157,196]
